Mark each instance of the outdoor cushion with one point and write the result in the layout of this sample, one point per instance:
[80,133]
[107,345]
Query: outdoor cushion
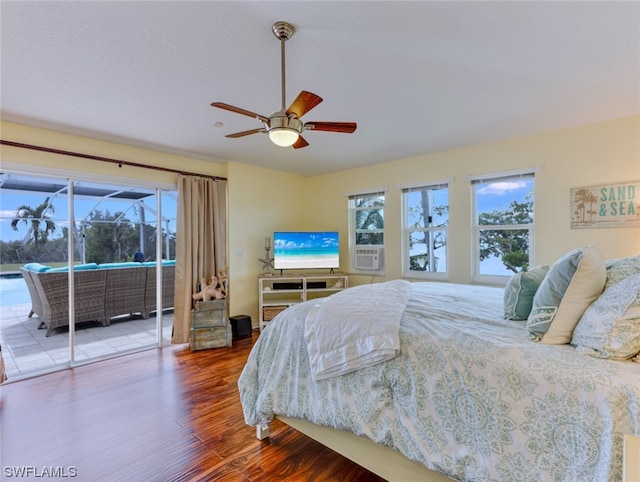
[125,264]
[76,267]
[37,267]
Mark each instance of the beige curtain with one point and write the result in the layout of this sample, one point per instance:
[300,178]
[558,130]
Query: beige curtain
[201,243]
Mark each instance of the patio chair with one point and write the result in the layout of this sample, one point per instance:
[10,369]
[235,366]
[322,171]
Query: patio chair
[36,303]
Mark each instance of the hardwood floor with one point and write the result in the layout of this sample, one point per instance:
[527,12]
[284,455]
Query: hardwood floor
[160,415]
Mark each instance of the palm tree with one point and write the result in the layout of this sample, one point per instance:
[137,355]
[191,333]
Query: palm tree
[591,199]
[34,217]
[369,220]
[581,199]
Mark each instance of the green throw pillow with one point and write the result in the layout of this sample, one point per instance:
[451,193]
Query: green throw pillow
[520,290]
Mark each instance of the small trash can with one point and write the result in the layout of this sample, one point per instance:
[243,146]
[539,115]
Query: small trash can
[240,326]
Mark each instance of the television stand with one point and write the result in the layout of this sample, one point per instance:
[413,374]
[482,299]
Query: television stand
[277,292]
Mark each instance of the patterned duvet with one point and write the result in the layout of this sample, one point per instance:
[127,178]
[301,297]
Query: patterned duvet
[469,395]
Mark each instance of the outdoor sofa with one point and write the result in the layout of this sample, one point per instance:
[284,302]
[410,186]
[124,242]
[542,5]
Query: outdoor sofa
[102,291]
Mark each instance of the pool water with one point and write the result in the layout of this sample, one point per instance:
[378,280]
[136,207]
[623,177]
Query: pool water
[13,291]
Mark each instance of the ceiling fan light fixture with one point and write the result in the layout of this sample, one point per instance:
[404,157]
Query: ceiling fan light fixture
[283,136]
[284,126]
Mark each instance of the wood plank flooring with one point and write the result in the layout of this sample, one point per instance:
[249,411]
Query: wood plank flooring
[160,415]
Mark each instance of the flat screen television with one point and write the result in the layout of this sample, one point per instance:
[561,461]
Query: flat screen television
[305,250]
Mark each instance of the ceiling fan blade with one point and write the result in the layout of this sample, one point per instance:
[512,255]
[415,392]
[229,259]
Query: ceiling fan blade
[346,127]
[300,143]
[238,110]
[303,103]
[246,133]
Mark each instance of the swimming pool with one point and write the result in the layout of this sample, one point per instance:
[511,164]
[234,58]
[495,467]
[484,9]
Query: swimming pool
[13,291]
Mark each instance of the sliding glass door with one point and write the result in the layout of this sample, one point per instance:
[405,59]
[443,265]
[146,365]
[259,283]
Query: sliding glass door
[91,258]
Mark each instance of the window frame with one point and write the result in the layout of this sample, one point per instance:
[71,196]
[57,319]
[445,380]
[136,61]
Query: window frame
[407,231]
[476,228]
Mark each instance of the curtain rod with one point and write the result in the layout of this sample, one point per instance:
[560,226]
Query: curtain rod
[104,159]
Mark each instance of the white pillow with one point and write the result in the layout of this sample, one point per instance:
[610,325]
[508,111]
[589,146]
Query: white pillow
[610,328]
[570,286]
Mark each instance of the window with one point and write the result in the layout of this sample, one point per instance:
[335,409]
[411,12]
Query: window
[503,225]
[425,214]
[366,230]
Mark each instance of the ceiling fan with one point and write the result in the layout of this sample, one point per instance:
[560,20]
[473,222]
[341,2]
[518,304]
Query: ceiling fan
[284,126]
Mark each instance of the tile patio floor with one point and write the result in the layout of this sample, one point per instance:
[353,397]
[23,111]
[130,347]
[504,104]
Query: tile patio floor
[26,351]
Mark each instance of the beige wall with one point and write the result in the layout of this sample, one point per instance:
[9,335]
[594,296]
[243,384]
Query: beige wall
[263,200]
[55,140]
[605,152]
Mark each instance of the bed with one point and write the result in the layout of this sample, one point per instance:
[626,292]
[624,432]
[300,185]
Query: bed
[468,396]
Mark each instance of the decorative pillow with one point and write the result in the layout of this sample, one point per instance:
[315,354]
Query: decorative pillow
[571,285]
[619,269]
[610,328]
[519,292]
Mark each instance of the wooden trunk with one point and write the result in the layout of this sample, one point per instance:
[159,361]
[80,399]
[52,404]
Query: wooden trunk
[210,326]
[202,319]
[210,337]
[211,305]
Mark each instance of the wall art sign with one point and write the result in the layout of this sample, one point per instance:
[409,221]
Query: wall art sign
[606,206]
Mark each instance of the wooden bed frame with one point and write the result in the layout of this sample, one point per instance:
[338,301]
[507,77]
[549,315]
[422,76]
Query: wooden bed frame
[383,461]
[631,467]
[391,465]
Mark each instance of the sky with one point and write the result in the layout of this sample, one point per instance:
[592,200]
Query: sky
[498,195]
[10,200]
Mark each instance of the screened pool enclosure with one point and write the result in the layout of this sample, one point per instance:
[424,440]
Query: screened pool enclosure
[54,223]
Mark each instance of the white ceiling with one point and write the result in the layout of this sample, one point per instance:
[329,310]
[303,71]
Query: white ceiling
[417,77]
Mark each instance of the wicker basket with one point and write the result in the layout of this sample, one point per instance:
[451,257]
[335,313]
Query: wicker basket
[270,312]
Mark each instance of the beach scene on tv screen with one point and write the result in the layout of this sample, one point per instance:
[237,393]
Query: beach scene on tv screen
[306,250]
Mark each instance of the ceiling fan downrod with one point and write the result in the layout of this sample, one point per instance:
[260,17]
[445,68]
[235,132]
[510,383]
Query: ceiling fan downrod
[283,31]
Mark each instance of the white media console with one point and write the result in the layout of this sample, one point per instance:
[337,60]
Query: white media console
[277,292]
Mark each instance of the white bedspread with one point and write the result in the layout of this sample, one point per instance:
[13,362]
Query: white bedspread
[355,328]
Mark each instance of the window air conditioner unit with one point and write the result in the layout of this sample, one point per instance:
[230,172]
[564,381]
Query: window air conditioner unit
[369,258]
